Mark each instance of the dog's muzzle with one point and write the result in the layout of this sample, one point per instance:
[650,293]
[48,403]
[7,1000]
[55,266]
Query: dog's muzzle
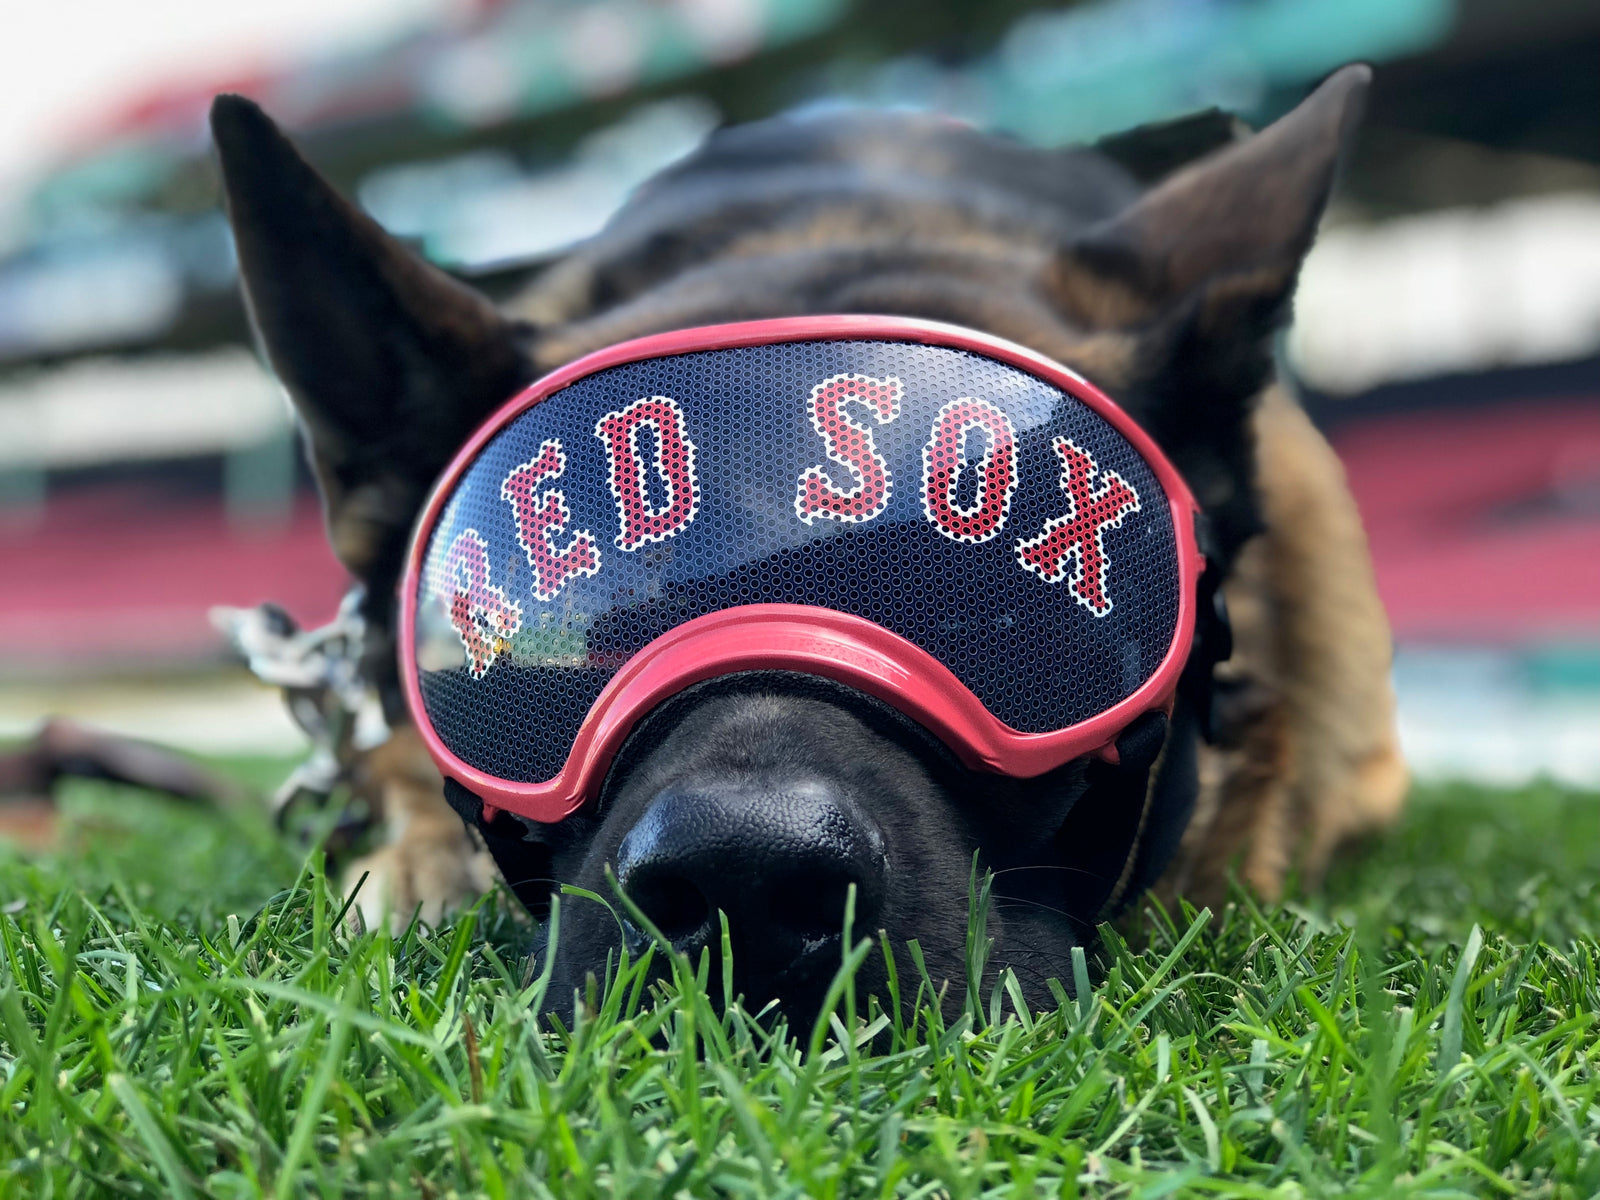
[954,525]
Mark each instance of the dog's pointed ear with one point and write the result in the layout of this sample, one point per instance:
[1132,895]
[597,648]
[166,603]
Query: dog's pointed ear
[1189,283]
[389,361]
[1247,211]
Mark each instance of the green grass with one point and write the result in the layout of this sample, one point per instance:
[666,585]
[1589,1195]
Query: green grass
[182,1013]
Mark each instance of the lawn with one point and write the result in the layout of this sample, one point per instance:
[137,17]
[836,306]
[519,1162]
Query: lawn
[183,1013]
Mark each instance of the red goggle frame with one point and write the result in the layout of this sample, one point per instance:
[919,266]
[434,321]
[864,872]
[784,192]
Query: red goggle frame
[809,638]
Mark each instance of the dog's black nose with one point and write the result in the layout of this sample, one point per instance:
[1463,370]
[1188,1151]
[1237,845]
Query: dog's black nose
[779,861]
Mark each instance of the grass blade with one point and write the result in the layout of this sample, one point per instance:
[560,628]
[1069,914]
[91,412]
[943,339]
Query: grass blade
[1450,1037]
[152,1135]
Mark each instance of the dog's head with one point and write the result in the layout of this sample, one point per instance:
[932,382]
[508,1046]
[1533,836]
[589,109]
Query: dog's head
[768,795]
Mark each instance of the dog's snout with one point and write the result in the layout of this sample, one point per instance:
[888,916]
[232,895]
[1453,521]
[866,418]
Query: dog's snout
[778,861]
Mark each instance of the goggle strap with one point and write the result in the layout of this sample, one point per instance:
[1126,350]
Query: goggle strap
[523,862]
[1100,835]
[1170,782]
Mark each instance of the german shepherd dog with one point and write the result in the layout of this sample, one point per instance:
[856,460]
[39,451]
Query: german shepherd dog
[1167,296]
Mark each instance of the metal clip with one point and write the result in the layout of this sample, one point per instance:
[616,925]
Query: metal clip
[326,692]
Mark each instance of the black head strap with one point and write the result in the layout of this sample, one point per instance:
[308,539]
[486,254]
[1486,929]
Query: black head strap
[1099,833]
[522,857]
[1213,634]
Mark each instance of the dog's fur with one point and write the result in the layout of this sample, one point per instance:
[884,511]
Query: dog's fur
[1168,298]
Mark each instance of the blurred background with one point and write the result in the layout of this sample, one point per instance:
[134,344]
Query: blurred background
[1447,333]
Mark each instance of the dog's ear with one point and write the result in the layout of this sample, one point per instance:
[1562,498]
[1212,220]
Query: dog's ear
[1244,214]
[1193,279]
[389,361]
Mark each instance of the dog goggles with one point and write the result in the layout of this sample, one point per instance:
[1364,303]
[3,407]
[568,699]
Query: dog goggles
[953,524]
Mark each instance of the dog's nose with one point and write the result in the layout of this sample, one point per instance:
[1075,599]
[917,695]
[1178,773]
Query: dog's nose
[778,861]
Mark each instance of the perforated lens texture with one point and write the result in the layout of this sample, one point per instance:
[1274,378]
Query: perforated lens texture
[976,510]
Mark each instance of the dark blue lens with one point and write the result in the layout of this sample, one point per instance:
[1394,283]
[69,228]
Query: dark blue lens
[704,481]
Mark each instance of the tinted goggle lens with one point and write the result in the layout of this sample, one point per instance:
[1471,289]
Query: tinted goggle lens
[1014,527]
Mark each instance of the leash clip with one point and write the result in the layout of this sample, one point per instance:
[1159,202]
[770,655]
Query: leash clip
[324,688]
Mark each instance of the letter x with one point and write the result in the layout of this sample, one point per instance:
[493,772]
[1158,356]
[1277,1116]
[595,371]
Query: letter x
[1080,535]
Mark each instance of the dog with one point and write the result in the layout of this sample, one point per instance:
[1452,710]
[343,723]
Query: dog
[1166,296]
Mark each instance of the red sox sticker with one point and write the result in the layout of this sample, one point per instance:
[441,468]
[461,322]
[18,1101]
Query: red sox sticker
[541,516]
[1069,549]
[849,443]
[943,460]
[673,464]
[482,616]
[1080,534]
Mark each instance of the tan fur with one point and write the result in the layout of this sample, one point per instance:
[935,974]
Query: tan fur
[1321,764]
[430,864]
